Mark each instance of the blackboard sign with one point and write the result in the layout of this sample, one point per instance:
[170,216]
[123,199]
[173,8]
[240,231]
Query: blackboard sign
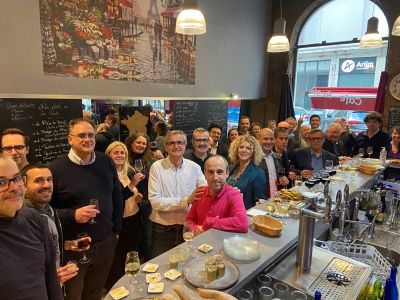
[394,116]
[45,121]
[116,33]
[189,115]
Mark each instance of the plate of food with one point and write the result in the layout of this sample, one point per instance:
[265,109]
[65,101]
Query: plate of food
[150,268]
[119,293]
[153,277]
[156,287]
[205,248]
[172,274]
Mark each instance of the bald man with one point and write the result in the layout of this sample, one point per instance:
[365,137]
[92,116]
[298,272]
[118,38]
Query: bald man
[332,143]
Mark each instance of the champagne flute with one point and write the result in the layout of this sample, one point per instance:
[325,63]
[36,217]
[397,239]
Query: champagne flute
[370,150]
[138,165]
[83,243]
[96,203]
[132,266]
[188,232]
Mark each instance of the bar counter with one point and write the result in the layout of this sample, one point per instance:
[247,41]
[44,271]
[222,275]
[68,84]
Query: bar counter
[272,251]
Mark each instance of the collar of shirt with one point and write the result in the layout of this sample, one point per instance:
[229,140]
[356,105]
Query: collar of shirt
[314,154]
[276,155]
[77,160]
[366,134]
[170,165]
[219,195]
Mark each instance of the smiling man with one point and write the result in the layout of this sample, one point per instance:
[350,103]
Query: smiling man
[221,206]
[199,153]
[28,268]
[15,143]
[174,184]
[79,176]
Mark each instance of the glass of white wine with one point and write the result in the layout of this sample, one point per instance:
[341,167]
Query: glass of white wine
[138,165]
[370,150]
[188,232]
[132,266]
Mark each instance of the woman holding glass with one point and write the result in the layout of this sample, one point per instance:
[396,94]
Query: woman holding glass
[130,235]
[245,153]
[138,145]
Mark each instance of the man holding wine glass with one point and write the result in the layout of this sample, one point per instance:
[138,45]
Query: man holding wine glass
[174,184]
[79,176]
[28,265]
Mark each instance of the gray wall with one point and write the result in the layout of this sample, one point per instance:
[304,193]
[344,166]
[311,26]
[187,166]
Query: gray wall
[231,57]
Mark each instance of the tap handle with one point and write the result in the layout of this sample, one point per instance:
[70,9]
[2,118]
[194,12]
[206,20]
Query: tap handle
[338,202]
[328,209]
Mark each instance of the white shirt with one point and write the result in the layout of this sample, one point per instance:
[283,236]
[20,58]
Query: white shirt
[170,188]
[269,159]
[76,159]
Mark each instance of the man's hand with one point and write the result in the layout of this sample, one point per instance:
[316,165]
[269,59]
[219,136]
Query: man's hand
[283,181]
[184,294]
[300,121]
[85,213]
[67,272]
[306,174]
[157,154]
[196,194]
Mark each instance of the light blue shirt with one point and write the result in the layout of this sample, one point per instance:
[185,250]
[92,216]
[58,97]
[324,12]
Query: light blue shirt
[316,162]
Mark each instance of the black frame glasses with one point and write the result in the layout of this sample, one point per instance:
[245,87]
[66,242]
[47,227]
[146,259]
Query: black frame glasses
[17,148]
[18,180]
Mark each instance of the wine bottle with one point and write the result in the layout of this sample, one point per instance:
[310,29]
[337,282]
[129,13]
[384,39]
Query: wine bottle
[388,290]
[395,291]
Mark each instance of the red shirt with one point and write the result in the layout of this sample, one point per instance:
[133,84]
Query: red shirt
[225,212]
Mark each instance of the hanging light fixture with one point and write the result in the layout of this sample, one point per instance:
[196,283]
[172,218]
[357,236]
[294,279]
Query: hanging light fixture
[190,20]
[396,27]
[278,42]
[372,38]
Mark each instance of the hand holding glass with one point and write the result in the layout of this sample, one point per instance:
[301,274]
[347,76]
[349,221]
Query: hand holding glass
[138,165]
[83,243]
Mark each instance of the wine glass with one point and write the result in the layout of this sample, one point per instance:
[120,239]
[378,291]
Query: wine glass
[329,165]
[83,243]
[188,232]
[370,150]
[94,202]
[132,266]
[281,173]
[138,165]
[361,153]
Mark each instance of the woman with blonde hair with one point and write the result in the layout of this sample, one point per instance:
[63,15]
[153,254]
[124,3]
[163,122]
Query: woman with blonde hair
[130,235]
[245,154]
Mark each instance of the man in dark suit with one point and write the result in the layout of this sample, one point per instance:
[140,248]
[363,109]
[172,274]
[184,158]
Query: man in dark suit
[332,143]
[219,147]
[347,136]
[312,159]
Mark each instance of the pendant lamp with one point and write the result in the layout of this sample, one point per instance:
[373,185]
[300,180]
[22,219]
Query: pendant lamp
[190,20]
[372,38]
[278,42]
[396,27]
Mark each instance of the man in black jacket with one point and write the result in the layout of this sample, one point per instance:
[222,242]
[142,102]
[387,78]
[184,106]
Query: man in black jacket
[312,159]
[219,147]
[332,143]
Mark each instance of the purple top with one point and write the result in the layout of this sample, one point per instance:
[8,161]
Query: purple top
[392,155]
[225,212]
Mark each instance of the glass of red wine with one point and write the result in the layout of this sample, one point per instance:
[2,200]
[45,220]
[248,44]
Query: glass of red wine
[83,243]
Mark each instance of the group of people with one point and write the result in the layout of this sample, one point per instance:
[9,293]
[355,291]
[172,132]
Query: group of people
[144,196]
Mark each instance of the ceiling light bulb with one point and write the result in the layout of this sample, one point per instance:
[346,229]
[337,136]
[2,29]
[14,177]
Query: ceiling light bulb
[190,21]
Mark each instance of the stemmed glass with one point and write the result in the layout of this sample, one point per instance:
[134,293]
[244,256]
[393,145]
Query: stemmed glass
[138,165]
[370,150]
[83,243]
[132,266]
[329,165]
[361,153]
[94,202]
[188,232]
[281,173]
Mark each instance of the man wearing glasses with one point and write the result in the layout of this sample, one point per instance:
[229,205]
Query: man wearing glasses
[28,264]
[15,143]
[199,153]
[312,159]
[174,184]
[78,177]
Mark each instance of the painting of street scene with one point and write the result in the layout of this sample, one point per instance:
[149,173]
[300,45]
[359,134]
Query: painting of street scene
[130,40]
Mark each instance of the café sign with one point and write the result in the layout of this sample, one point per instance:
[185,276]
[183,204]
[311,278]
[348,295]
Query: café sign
[343,98]
[358,65]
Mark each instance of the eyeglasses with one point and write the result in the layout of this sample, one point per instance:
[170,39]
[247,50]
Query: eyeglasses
[5,183]
[17,148]
[316,139]
[83,136]
[198,141]
[175,143]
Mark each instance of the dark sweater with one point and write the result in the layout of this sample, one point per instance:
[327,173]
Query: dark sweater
[75,185]
[377,141]
[27,262]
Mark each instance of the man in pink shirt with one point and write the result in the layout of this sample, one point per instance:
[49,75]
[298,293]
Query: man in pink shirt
[221,206]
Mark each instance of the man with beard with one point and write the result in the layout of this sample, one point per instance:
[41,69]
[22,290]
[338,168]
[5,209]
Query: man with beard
[15,143]
[78,177]
[218,147]
[221,206]
[27,268]
[244,125]
[200,153]
[39,188]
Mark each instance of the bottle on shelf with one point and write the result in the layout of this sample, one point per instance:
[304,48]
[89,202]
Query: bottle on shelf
[395,291]
[388,290]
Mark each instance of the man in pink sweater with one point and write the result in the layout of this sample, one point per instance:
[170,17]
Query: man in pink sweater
[221,206]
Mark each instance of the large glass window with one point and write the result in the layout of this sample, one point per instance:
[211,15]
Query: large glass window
[329,56]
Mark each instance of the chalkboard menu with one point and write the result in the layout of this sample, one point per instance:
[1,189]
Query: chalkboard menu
[189,115]
[394,116]
[45,121]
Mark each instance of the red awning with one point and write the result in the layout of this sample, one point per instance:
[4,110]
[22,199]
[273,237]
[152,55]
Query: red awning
[343,98]
[171,12]
[126,3]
